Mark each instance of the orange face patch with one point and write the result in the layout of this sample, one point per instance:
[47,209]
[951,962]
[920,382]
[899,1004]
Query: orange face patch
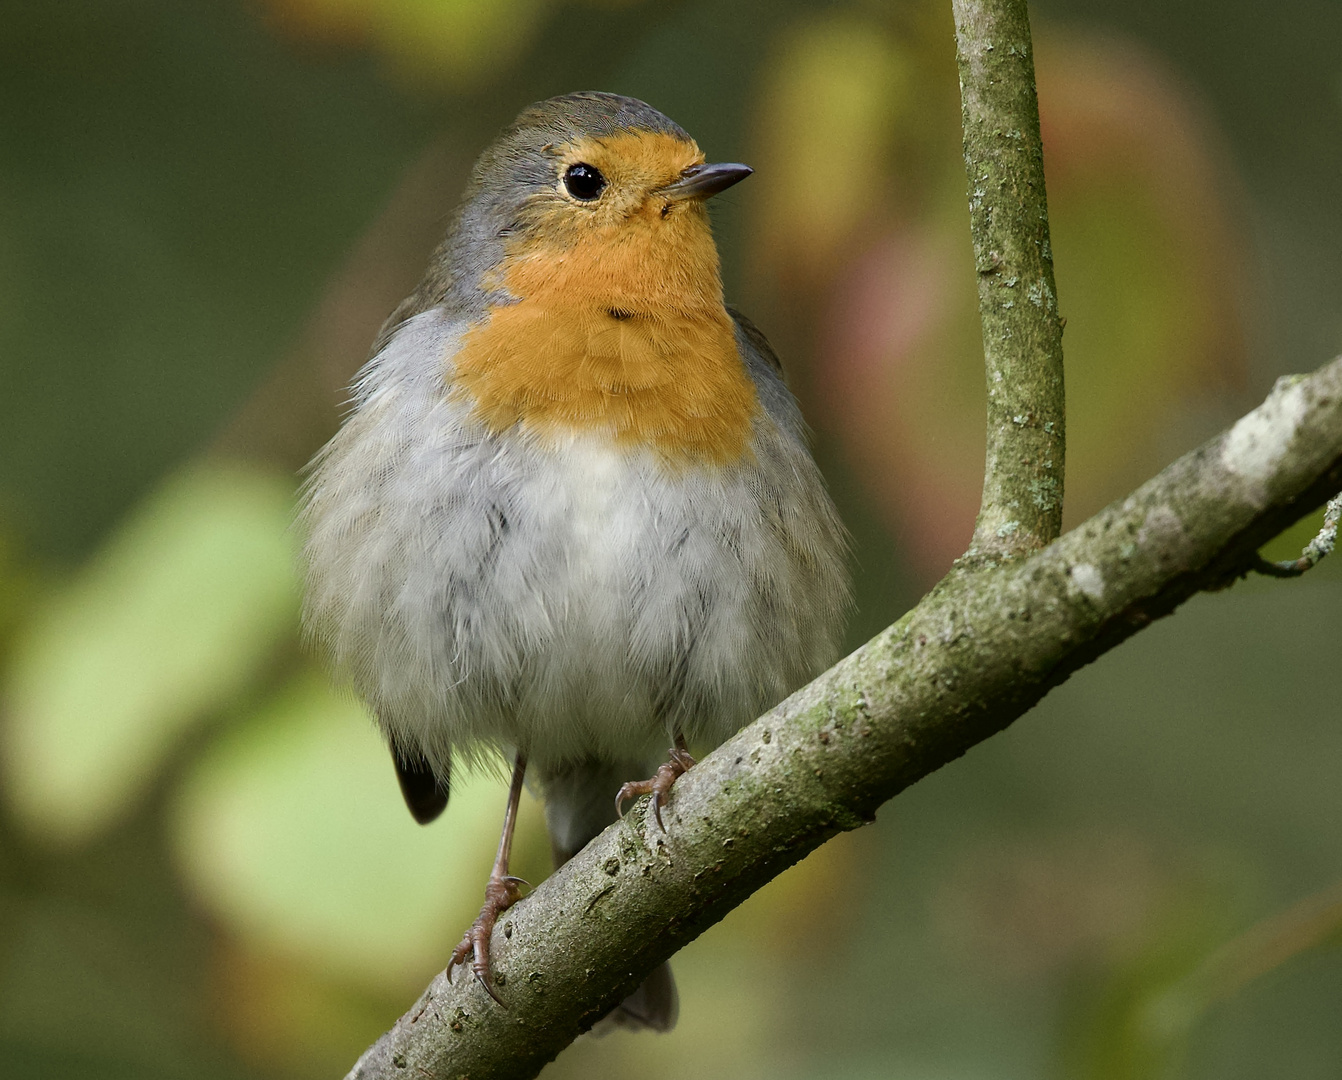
[619,325]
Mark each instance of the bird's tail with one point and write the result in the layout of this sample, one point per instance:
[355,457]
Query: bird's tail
[579,803]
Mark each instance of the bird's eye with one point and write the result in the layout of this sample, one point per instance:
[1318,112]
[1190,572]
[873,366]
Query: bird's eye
[584,181]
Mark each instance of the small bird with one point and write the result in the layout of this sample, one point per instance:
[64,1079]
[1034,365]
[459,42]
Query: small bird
[572,514]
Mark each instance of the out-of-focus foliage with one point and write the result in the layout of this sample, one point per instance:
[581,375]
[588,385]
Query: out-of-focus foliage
[436,41]
[838,93]
[176,183]
[182,608]
[18,590]
[288,828]
[1109,891]
[1138,1023]
[1147,264]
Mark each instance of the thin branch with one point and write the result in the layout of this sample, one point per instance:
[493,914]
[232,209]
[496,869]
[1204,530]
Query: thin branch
[976,653]
[1021,510]
[1320,547]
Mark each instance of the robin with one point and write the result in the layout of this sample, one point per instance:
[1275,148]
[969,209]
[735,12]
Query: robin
[572,514]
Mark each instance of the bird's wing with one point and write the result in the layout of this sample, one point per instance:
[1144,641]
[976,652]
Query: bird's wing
[756,337]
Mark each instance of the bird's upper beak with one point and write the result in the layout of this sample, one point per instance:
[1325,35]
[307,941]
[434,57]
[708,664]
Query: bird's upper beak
[704,181]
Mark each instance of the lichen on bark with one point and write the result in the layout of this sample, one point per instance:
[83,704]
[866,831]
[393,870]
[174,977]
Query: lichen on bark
[1021,509]
[975,654]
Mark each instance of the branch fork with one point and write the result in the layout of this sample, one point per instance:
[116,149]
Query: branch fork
[1020,611]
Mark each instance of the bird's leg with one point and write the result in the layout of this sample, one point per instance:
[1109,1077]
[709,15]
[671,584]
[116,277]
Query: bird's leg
[678,764]
[500,894]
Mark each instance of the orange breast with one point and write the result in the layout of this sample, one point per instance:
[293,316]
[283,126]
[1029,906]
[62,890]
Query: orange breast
[622,332]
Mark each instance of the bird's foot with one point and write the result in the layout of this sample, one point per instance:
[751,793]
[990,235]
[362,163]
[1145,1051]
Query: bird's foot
[658,786]
[501,893]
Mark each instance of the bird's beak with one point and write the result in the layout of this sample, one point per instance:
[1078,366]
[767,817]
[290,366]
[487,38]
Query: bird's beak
[704,181]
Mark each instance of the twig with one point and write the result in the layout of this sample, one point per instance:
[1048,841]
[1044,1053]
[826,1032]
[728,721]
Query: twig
[1021,509]
[1316,549]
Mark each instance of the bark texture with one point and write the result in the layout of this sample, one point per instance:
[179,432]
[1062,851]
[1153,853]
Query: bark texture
[976,653]
[1008,624]
[1021,509]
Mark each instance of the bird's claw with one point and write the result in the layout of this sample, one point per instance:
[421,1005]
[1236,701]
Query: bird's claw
[501,893]
[659,786]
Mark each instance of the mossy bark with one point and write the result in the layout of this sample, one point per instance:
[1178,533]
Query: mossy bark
[1010,622]
[1021,509]
[976,653]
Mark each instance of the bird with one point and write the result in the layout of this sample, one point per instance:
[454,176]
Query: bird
[572,514]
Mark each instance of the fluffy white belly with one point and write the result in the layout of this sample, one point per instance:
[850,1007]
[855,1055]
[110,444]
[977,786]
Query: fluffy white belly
[575,599]
[592,585]
[599,643]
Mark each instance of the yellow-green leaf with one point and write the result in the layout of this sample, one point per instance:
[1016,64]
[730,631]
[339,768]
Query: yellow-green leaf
[169,621]
[292,831]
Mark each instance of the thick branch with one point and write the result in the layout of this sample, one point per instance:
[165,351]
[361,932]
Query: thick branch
[976,653]
[1021,509]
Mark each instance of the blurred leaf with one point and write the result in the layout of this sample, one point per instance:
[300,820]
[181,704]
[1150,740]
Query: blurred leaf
[829,113]
[194,182]
[293,832]
[1115,1033]
[1021,911]
[1148,267]
[285,1018]
[170,620]
[1315,923]
[440,41]
[1137,1027]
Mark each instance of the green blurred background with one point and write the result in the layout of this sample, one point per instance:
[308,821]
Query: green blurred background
[206,208]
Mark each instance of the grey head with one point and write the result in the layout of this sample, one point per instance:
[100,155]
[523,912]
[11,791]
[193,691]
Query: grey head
[520,164]
[523,170]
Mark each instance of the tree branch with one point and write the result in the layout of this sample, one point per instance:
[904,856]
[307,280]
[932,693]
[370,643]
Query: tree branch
[1021,510]
[976,653]
[1008,624]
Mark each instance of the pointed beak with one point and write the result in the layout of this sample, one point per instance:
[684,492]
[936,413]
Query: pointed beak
[705,181]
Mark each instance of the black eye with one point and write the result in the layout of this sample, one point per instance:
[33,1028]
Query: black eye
[584,181]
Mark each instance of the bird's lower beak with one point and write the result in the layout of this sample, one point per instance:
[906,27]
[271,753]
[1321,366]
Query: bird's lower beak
[705,181]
